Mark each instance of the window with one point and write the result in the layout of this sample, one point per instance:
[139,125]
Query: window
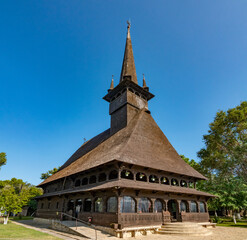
[164,180]
[191,184]
[183,183]
[102,177]
[98,205]
[127,205]
[92,179]
[193,206]
[42,205]
[127,174]
[57,206]
[141,177]
[153,179]
[49,205]
[84,181]
[113,174]
[71,205]
[184,206]
[158,206]
[87,205]
[202,207]
[112,204]
[174,182]
[144,205]
[77,183]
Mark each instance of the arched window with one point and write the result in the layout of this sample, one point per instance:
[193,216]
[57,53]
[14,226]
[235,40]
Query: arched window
[184,206]
[127,174]
[191,184]
[183,183]
[71,205]
[92,179]
[153,179]
[174,182]
[84,181]
[164,180]
[202,207]
[144,205]
[77,183]
[111,204]
[158,206]
[102,177]
[87,205]
[98,205]
[193,206]
[141,177]
[127,205]
[113,174]
[78,204]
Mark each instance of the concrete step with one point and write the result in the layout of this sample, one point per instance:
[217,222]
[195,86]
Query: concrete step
[189,229]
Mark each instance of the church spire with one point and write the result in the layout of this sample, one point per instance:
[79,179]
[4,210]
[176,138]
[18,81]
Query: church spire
[128,67]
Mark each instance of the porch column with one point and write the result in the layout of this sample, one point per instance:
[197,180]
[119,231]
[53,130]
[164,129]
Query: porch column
[104,204]
[137,203]
[179,208]
[198,206]
[165,205]
[153,202]
[189,208]
[206,206]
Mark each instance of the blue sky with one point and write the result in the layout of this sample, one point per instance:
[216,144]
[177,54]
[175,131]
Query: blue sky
[57,58]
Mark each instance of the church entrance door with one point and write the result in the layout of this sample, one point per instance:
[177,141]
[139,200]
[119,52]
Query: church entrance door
[173,209]
[71,208]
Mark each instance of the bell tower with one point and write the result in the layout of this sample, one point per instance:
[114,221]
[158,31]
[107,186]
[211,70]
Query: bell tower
[127,98]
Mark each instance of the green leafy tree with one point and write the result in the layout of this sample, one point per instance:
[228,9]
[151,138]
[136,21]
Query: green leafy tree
[3,159]
[49,173]
[224,159]
[225,152]
[14,194]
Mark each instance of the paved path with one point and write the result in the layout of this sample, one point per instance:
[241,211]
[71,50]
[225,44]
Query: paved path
[219,233]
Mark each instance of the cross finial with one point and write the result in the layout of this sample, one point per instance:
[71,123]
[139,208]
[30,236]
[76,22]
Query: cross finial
[128,22]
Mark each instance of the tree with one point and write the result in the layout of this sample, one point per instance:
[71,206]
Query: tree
[14,194]
[225,151]
[49,173]
[3,159]
[224,159]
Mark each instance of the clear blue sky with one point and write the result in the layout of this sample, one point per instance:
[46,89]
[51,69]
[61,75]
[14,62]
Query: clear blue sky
[57,58]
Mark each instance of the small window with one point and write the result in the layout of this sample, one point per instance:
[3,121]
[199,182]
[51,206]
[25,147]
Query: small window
[112,204]
[153,179]
[87,205]
[193,206]
[158,206]
[84,181]
[98,204]
[127,174]
[77,183]
[92,179]
[202,207]
[174,182]
[102,177]
[57,206]
[164,180]
[191,184]
[141,177]
[183,183]
[113,174]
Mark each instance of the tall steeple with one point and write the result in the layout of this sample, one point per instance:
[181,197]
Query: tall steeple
[128,67]
[127,98]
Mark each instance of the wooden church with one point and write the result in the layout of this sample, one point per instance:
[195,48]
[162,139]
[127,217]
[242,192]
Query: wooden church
[128,175]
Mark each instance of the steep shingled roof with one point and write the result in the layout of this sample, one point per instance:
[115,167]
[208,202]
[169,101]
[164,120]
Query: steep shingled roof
[141,143]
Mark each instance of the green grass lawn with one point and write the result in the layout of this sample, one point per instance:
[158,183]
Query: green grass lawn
[228,222]
[13,231]
[20,218]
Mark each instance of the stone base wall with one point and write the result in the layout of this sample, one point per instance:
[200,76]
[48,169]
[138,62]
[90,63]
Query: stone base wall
[194,217]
